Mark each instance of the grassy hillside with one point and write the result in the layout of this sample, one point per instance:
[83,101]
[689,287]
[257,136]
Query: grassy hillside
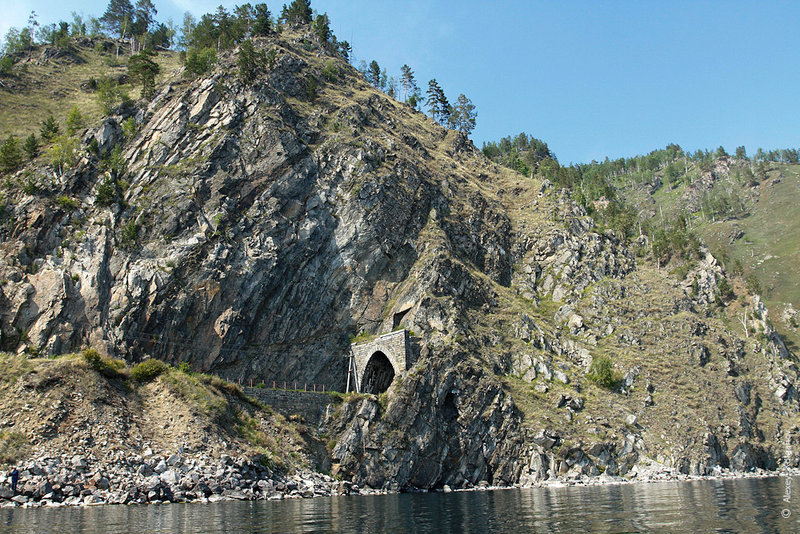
[47,82]
[768,248]
[746,210]
[88,404]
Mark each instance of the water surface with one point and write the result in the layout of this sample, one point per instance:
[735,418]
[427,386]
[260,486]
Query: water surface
[740,505]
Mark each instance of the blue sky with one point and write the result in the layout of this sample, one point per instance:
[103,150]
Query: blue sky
[590,78]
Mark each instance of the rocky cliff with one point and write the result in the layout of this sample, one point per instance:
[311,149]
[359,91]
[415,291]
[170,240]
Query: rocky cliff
[252,229]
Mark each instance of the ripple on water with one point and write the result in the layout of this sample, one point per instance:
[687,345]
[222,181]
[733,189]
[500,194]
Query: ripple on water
[731,505]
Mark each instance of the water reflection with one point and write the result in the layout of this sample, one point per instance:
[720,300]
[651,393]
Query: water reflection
[750,505]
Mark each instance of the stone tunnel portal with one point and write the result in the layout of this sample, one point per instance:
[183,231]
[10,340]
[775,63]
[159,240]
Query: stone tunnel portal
[378,374]
[375,363]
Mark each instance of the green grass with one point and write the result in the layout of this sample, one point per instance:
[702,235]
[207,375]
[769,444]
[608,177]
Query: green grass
[14,446]
[54,88]
[770,249]
[196,390]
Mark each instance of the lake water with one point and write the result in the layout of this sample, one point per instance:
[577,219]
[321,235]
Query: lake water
[742,505]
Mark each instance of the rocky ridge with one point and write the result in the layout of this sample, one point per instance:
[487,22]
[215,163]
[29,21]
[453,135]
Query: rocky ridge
[257,227]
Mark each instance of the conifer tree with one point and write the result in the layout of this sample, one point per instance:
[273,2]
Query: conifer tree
[464,115]
[49,128]
[345,49]
[249,61]
[118,16]
[31,146]
[75,121]
[437,102]
[145,14]
[262,23]
[142,67]
[322,28]
[10,157]
[374,73]
[408,82]
[299,12]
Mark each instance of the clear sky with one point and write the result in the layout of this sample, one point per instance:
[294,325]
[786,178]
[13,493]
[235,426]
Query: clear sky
[591,78]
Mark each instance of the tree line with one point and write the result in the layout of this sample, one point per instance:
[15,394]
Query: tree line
[460,116]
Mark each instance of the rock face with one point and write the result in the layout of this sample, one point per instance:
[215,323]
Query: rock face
[256,228]
[428,435]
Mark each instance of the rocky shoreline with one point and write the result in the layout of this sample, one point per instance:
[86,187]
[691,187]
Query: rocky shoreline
[157,479]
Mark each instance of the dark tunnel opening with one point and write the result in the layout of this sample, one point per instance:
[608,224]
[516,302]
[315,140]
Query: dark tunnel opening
[378,374]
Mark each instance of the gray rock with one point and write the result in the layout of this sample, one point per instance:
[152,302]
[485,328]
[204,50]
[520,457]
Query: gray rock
[170,477]
[546,439]
[160,467]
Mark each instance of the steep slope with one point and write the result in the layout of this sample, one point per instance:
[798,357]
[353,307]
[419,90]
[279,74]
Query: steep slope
[50,80]
[255,228]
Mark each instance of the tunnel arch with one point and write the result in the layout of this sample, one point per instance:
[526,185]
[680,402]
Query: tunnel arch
[378,374]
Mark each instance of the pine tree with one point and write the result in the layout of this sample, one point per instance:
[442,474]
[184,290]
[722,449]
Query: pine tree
[464,115]
[31,146]
[345,49]
[141,66]
[49,128]
[145,17]
[408,82]
[437,103]
[118,16]
[262,23]
[322,28]
[248,61]
[374,73]
[10,157]
[299,12]
[433,98]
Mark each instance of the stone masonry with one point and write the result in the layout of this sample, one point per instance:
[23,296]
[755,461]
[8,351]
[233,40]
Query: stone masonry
[313,407]
[377,362]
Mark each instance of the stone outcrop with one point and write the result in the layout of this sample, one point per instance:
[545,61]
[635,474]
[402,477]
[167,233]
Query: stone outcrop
[256,229]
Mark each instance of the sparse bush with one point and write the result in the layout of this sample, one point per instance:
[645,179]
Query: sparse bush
[129,234]
[184,368]
[75,121]
[6,64]
[601,372]
[199,62]
[14,446]
[68,203]
[193,388]
[64,153]
[752,284]
[110,95]
[272,58]
[330,71]
[148,370]
[725,290]
[108,367]
[311,89]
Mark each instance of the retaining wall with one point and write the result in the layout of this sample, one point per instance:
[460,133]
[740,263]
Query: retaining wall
[311,406]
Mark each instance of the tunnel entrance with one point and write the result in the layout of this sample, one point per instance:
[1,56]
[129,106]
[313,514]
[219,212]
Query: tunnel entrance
[378,374]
